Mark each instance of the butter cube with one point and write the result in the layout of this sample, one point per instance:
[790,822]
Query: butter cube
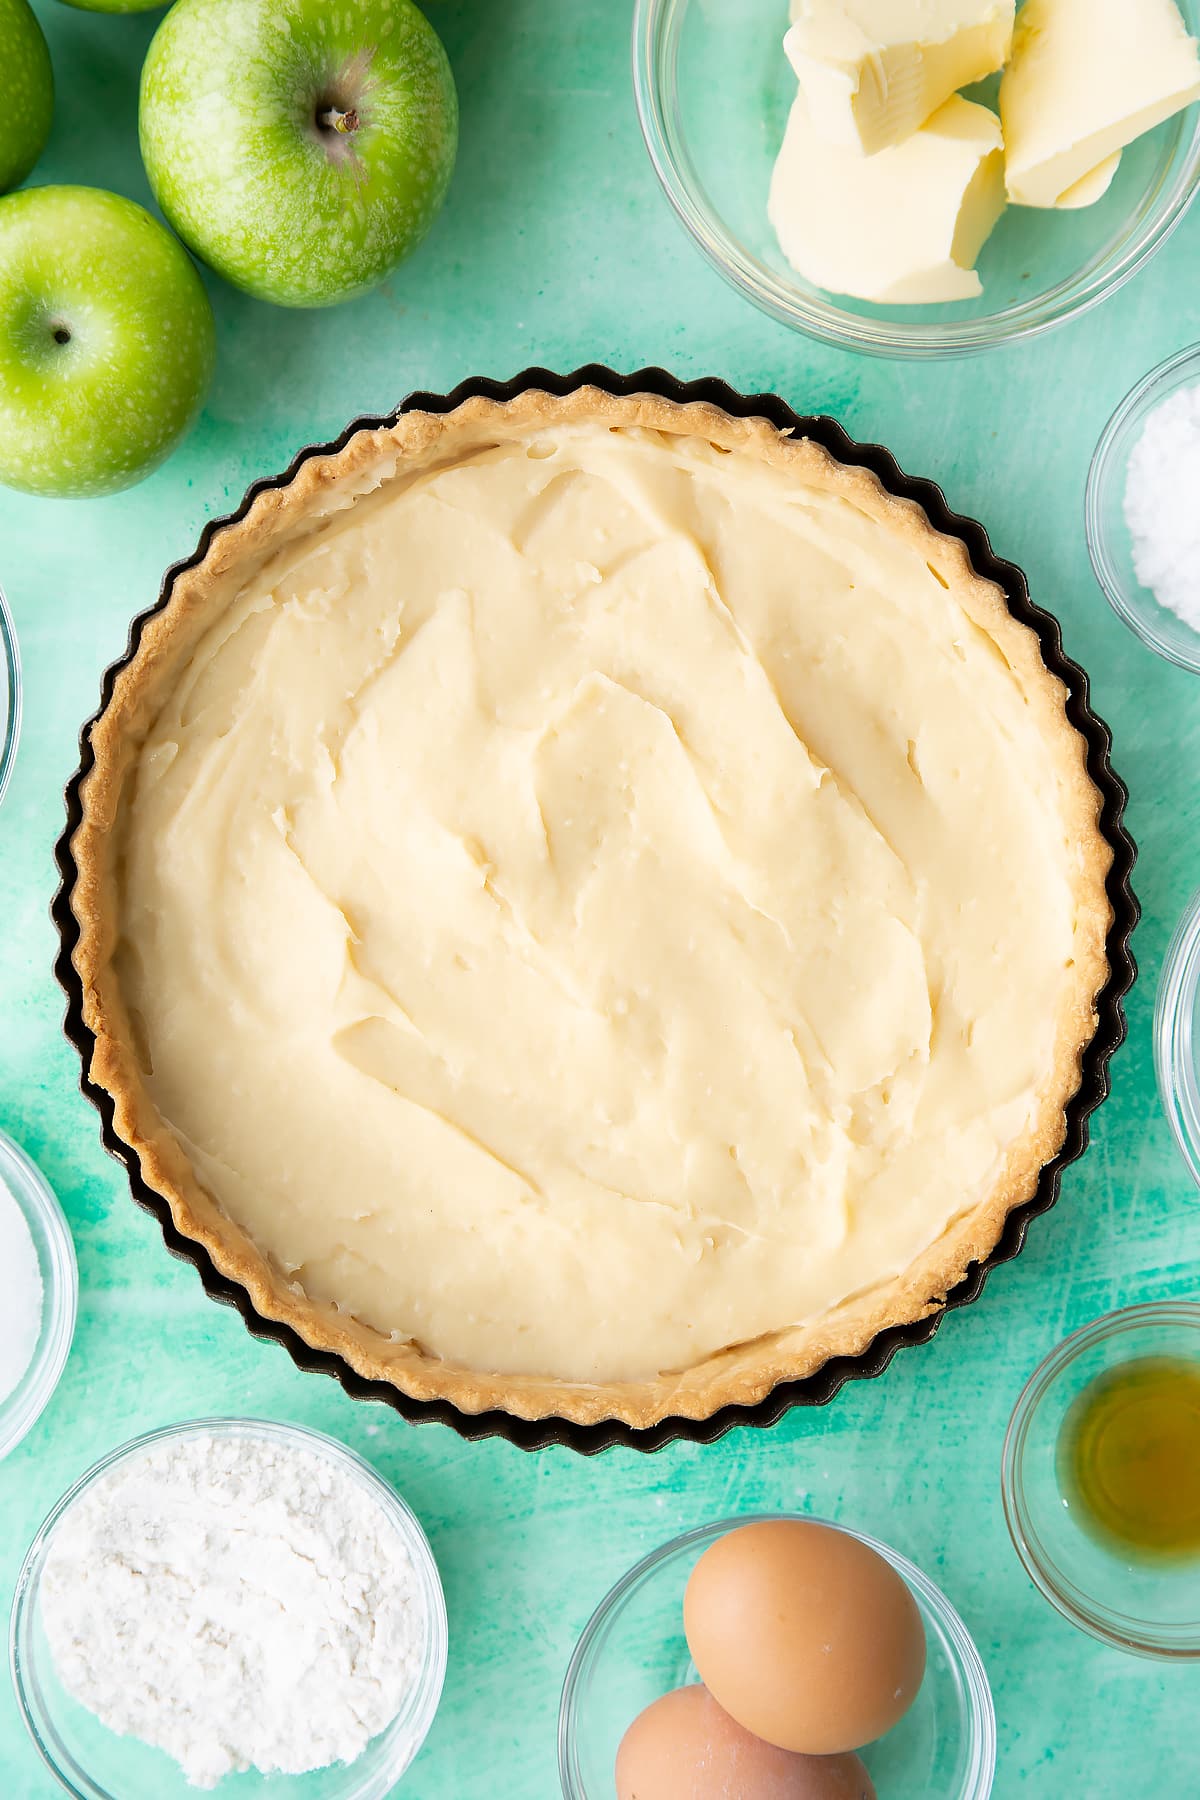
[1093,187]
[901,228]
[873,71]
[1086,78]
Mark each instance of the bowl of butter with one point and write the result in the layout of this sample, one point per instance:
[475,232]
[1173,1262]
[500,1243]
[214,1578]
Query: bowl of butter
[923,179]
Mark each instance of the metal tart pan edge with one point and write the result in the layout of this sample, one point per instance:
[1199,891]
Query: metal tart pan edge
[819,1388]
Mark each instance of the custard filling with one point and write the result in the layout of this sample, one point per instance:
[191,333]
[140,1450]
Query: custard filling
[596,902]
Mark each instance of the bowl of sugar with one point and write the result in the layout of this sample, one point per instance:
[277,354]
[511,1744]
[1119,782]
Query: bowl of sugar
[37,1321]
[1140,510]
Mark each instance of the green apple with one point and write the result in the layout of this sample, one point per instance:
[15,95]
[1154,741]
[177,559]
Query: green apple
[107,341]
[300,147]
[116,6]
[26,92]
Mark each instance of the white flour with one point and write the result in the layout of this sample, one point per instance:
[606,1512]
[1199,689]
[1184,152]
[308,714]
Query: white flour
[237,1602]
[21,1314]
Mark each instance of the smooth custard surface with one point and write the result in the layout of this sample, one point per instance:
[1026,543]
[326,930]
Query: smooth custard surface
[595,902]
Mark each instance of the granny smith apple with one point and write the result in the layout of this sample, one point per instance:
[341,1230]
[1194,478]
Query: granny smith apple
[300,147]
[26,92]
[116,6]
[107,341]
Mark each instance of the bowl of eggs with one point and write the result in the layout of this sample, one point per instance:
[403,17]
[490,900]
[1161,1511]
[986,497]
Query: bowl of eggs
[776,1656]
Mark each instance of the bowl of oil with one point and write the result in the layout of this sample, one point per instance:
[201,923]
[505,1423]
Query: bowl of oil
[1101,1479]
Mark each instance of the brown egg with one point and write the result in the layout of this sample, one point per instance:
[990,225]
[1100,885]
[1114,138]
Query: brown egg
[685,1748]
[808,1638]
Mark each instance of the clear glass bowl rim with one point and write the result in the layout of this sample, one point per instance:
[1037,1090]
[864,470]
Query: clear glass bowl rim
[426,1692]
[20,1412]
[656,25]
[10,678]
[1104,565]
[1174,1008]
[981,1716]
[1121,1632]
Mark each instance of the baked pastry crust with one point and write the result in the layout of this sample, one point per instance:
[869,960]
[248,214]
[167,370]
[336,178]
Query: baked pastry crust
[741,1374]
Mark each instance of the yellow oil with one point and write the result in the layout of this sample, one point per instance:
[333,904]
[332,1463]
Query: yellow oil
[1129,1457]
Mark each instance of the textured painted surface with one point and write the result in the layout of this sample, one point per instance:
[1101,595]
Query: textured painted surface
[557,247]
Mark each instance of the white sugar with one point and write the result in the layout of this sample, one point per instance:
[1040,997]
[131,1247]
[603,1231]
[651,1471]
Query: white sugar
[21,1299]
[1162,504]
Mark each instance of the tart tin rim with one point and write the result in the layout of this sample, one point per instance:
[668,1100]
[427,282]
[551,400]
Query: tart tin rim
[820,1387]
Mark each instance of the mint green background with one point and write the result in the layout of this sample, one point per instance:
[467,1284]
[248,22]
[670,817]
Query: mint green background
[557,247]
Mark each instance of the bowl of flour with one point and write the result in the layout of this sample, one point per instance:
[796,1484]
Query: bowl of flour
[41,1290]
[229,1605]
[1142,511]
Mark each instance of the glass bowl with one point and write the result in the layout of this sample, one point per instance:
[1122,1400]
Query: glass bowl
[1176,1039]
[1109,543]
[633,1649]
[10,694]
[713,90]
[60,1293]
[93,1763]
[1149,1608]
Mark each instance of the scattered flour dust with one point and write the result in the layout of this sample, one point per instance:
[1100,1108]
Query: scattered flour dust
[238,1602]
[21,1314]
[1162,504]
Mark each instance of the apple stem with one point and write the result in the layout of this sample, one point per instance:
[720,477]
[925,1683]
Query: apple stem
[332,118]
